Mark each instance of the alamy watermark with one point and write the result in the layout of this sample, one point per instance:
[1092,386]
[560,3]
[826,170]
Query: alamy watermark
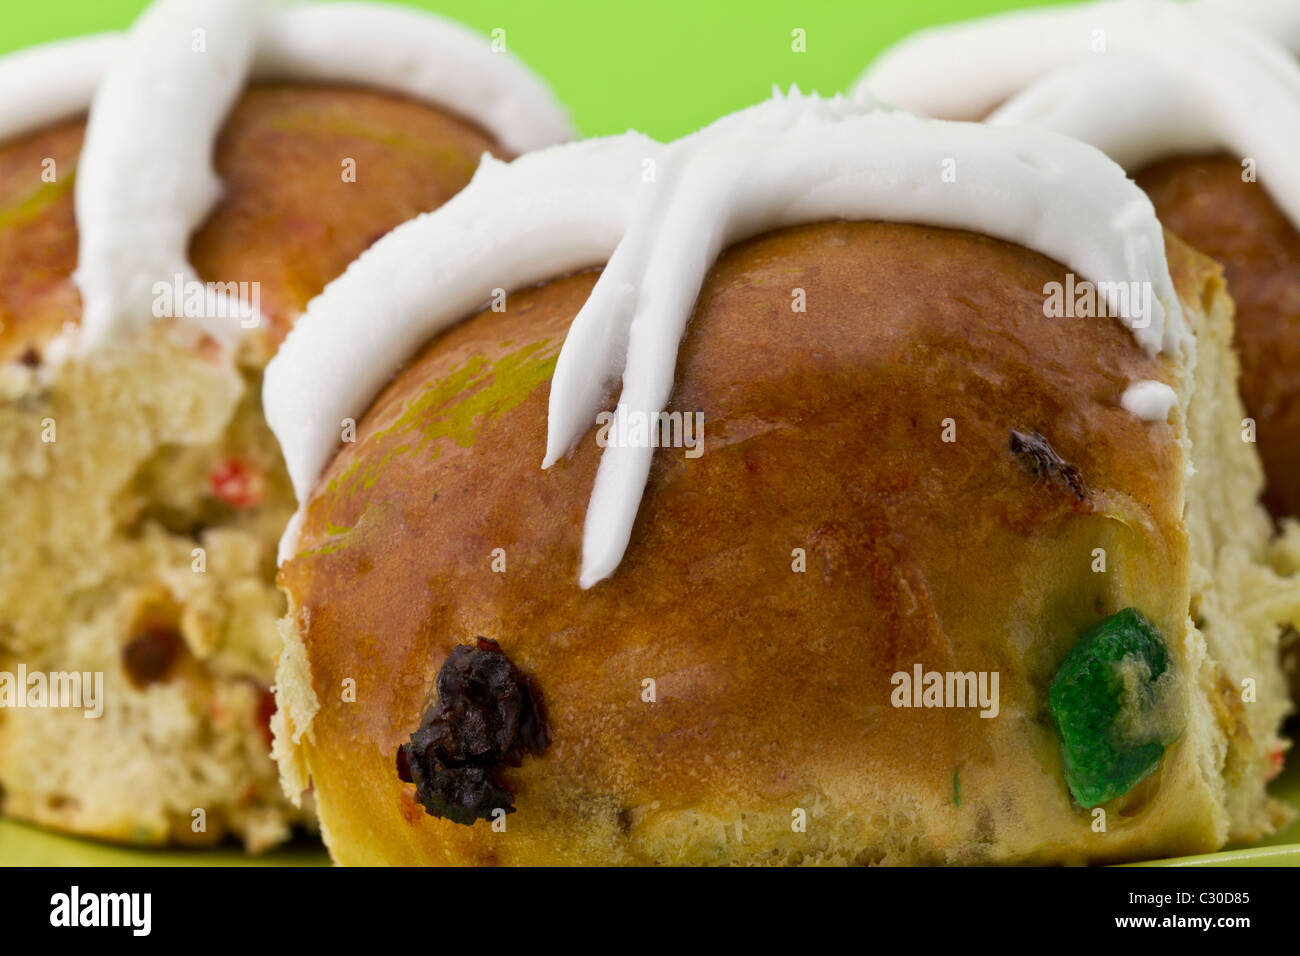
[83,690]
[630,429]
[184,298]
[133,911]
[1079,298]
[922,688]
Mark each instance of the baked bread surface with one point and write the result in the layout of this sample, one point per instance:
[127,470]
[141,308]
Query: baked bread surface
[824,435]
[1208,203]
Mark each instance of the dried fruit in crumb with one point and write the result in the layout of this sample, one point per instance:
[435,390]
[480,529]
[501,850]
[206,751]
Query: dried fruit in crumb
[150,655]
[237,483]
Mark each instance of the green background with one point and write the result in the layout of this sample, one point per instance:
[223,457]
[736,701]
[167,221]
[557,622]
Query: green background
[664,67]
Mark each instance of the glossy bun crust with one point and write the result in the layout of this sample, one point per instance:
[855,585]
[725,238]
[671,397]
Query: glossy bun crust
[825,436]
[288,218]
[1205,201]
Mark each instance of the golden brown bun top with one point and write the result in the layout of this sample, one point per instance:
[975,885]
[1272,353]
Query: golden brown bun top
[824,432]
[287,217]
[1206,201]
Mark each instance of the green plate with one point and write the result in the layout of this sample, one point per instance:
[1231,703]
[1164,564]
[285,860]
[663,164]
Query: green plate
[22,845]
[1281,849]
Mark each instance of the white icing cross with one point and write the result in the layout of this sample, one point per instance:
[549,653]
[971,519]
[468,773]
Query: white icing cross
[803,159]
[791,160]
[161,92]
[1139,79]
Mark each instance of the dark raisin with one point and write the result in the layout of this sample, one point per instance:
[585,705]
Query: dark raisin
[150,656]
[1040,459]
[488,715]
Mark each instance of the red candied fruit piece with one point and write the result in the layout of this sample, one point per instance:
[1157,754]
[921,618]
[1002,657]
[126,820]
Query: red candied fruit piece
[1276,759]
[237,484]
[265,711]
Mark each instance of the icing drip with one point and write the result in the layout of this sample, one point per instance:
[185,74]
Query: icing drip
[1279,19]
[1149,401]
[161,92]
[1092,100]
[799,160]
[425,57]
[788,161]
[53,82]
[547,213]
[1172,78]
[145,180]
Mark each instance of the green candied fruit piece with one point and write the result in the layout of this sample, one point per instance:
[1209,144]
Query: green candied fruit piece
[1115,704]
